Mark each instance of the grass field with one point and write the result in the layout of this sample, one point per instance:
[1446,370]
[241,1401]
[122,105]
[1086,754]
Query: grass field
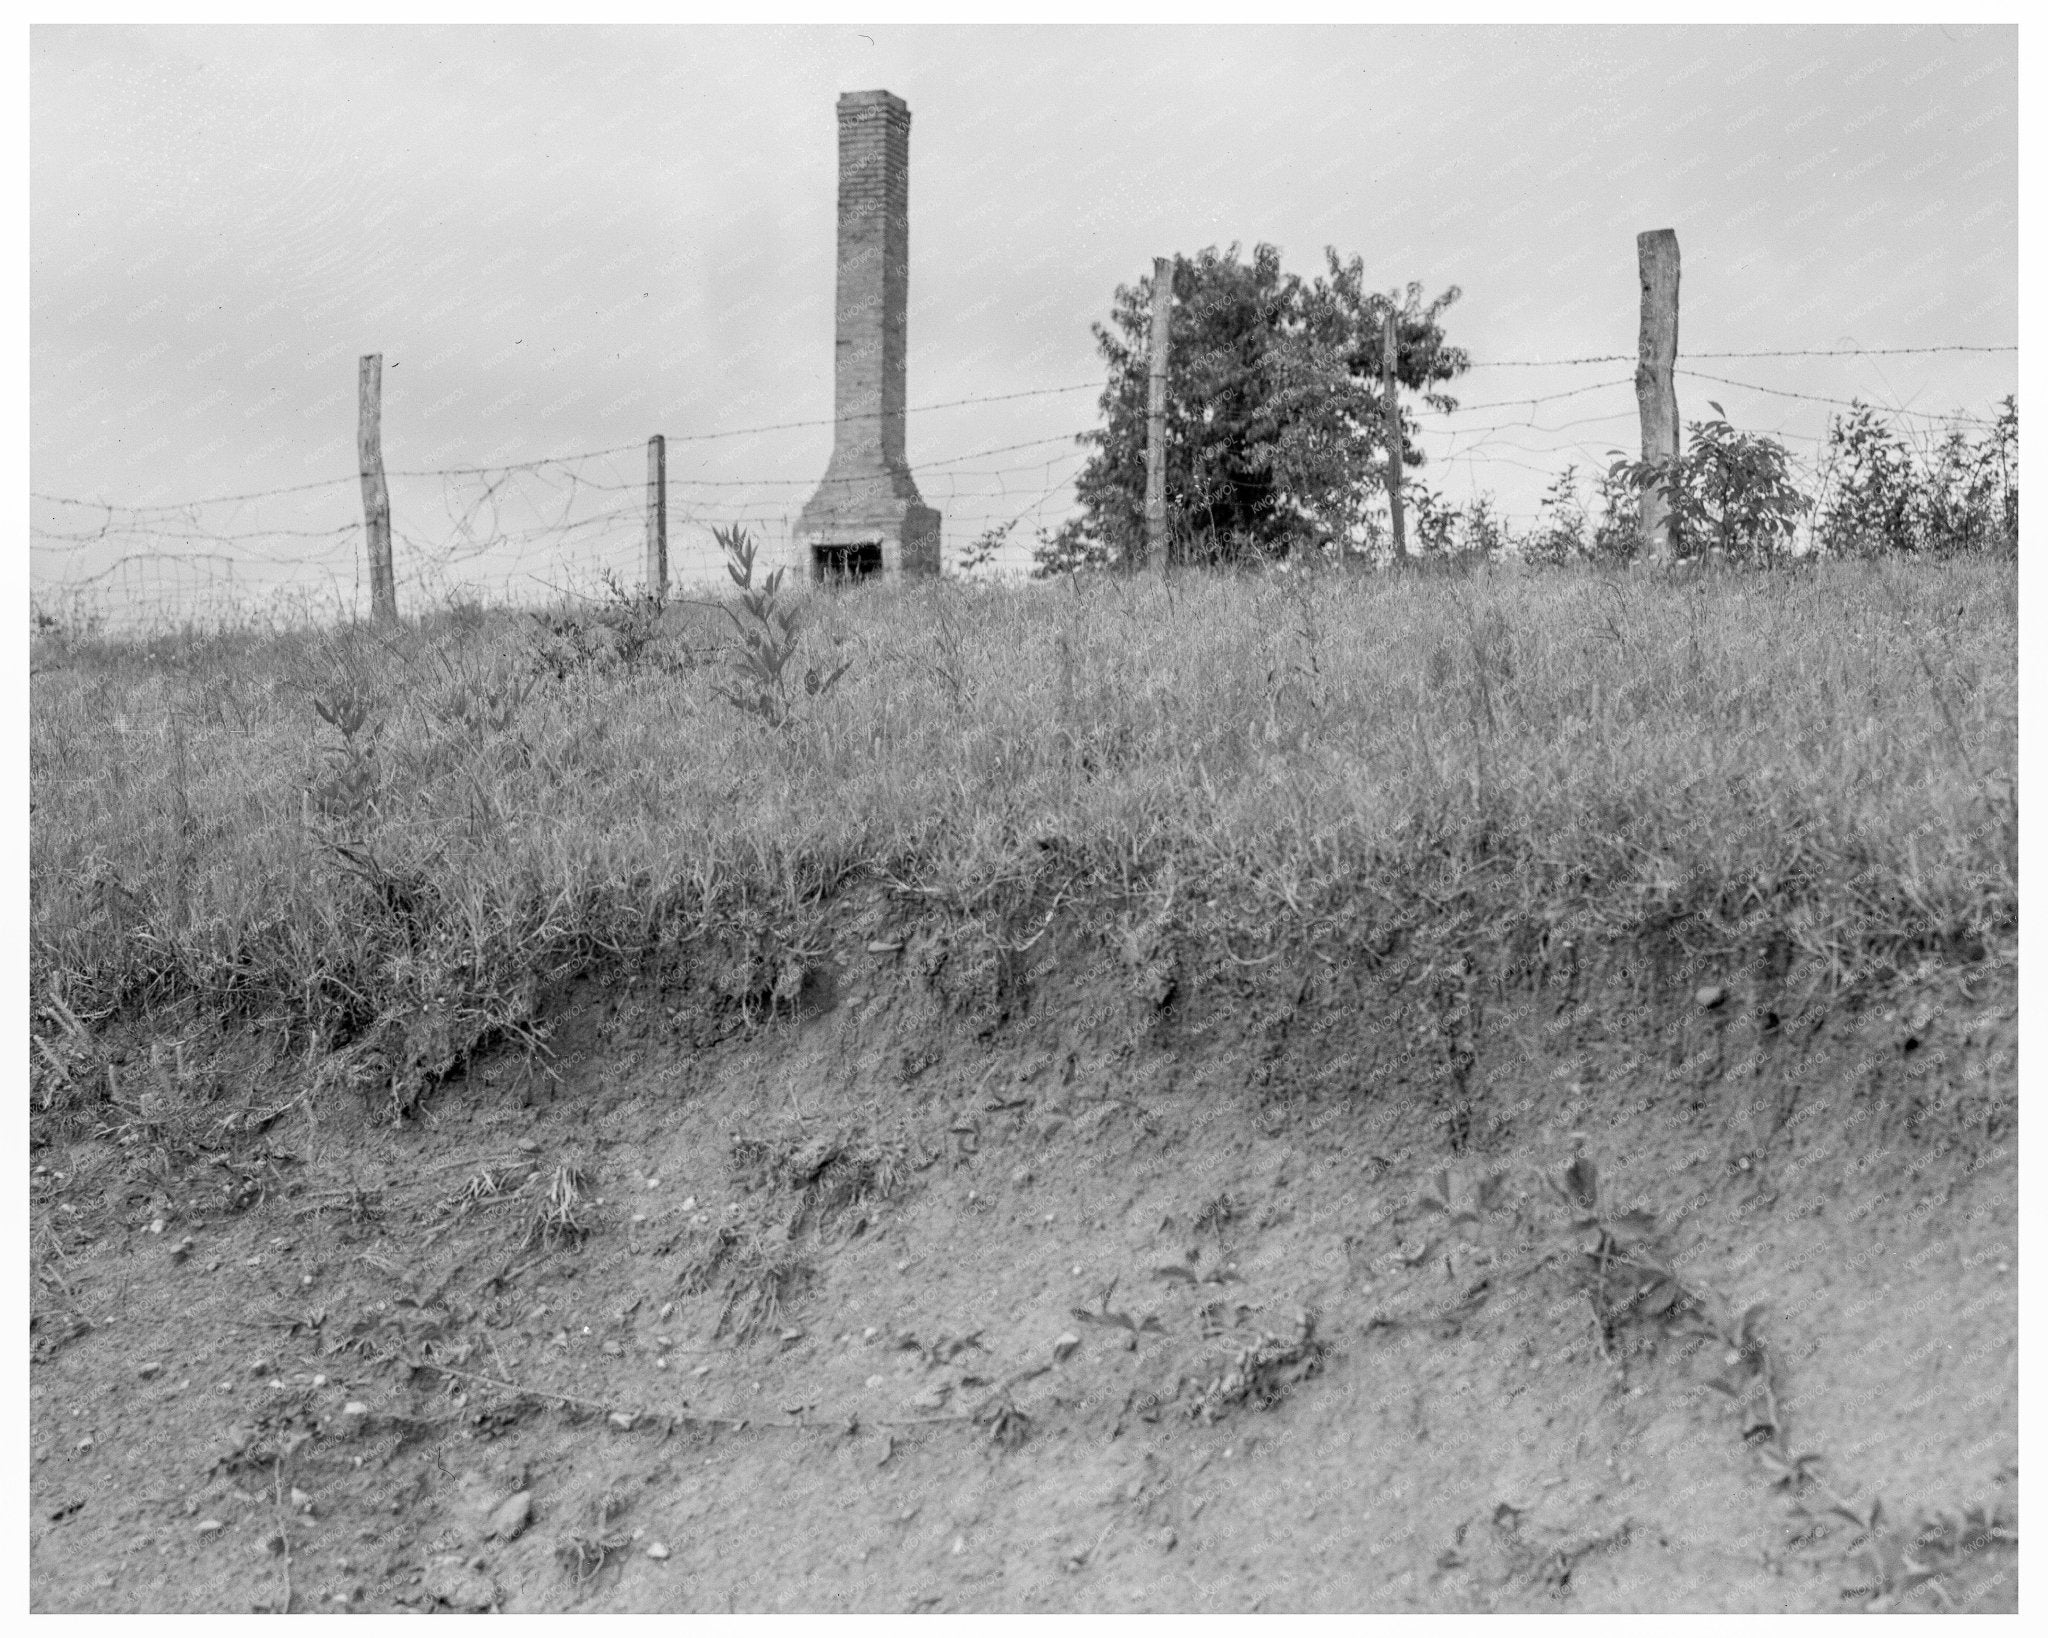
[427,827]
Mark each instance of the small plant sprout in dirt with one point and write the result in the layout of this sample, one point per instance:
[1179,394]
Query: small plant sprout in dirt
[586,1550]
[763,680]
[1630,1281]
[564,1215]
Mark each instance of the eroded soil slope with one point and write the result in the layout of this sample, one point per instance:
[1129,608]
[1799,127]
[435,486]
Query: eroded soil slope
[1303,1291]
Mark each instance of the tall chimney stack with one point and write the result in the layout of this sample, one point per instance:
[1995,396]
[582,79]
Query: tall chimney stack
[867,516]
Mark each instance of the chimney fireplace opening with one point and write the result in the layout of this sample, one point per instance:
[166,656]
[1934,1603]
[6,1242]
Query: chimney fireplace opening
[845,560]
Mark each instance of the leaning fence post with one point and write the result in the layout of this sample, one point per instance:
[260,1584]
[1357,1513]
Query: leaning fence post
[1155,414]
[1657,387]
[376,498]
[657,518]
[1388,341]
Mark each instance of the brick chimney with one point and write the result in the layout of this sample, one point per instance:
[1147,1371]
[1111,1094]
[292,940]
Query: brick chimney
[867,516]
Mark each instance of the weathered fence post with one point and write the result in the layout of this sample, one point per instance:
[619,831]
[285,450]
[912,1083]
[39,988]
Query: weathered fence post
[1155,414]
[376,498]
[657,518]
[1388,342]
[1656,386]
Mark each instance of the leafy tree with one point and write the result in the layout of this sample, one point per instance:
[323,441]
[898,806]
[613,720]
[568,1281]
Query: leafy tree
[1275,440]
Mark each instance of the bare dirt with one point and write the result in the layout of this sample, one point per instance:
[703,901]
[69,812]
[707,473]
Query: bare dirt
[1067,1282]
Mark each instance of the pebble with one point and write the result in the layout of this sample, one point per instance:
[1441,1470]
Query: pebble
[668,1308]
[622,1420]
[148,1369]
[689,1204]
[873,1381]
[512,1515]
[529,1146]
[303,1503]
[656,1551]
[1709,996]
[209,1527]
[1064,1344]
[460,1587]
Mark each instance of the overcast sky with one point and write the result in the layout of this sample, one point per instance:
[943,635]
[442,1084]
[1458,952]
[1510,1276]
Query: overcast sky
[563,240]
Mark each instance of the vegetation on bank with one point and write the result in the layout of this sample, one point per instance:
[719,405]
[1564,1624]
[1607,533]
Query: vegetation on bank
[420,830]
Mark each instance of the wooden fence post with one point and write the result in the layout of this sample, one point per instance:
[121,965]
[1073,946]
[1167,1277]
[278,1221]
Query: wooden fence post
[657,518]
[1155,415]
[1388,342]
[376,498]
[1656,386]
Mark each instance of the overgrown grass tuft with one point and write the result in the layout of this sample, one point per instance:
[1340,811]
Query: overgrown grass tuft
[416,833]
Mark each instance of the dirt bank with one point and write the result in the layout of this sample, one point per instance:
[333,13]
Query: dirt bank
[1058,1279]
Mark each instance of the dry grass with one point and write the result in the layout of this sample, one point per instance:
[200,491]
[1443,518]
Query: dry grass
[416,832]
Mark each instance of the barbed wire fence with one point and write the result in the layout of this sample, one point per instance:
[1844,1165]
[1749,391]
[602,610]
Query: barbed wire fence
[1474,449]
[562,526]
[510,532]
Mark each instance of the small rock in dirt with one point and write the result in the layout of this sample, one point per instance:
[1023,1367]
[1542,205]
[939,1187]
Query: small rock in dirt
[529,1146]
[512,1516]
[209,1527]
[1064,1344]
[455,1584]
[656,1551]
[85,1444]
[148,1368]
[622,1420]
[1710,996]
[353,1416]
[1021,1178]
[259,1366]
[702,1370]
[301,1501]
[613,1349]
[873,1381]
[182,1249]
[669,1308]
